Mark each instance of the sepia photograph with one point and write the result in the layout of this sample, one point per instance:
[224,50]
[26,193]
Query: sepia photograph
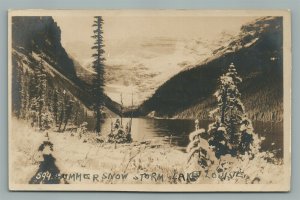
[149,100]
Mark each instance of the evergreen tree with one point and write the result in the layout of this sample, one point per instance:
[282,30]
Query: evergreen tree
[27,96]
[24,96]
[199,148]
[232,131]
[33,98]
[98,66]
[17,88]
[69,108]
[55,105]
[77,113]
[62,110]
[41,92]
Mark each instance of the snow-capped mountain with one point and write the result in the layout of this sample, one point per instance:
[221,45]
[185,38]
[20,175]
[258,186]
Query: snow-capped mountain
[143,72]
[141,53]
[257,55]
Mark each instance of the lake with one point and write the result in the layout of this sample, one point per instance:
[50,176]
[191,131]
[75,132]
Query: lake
[161,129]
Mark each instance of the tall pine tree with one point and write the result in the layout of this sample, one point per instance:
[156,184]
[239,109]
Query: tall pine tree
[232,131]
[98,66]
[41,94]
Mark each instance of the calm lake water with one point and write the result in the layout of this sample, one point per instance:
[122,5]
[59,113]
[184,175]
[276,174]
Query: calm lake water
[161,129]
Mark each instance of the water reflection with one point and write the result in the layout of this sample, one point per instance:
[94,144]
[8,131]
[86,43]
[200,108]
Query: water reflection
[179,129]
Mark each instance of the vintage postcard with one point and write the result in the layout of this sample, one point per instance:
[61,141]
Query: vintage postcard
[149,100]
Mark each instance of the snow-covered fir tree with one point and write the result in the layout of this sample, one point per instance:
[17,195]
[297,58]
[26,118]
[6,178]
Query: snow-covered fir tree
[44,116]
[37,94]
[199,148]
[24,96]
[62,109]
[55,104]
[232,132]
[69,109]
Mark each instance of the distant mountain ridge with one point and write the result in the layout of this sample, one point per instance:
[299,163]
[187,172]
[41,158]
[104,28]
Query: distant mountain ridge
[258,56]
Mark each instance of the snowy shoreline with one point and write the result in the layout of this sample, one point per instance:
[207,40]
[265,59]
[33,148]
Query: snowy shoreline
[137,161]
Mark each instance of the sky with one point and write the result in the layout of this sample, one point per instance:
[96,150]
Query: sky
[142,52]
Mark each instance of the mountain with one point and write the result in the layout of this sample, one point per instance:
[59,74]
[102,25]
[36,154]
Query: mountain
[257,54]
[42,36]
[39,38]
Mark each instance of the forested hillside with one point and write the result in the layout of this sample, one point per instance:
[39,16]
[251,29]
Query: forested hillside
[44,81]
[257,55]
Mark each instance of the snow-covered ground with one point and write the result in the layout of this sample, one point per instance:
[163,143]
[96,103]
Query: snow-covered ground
[143,162]
[87,156]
